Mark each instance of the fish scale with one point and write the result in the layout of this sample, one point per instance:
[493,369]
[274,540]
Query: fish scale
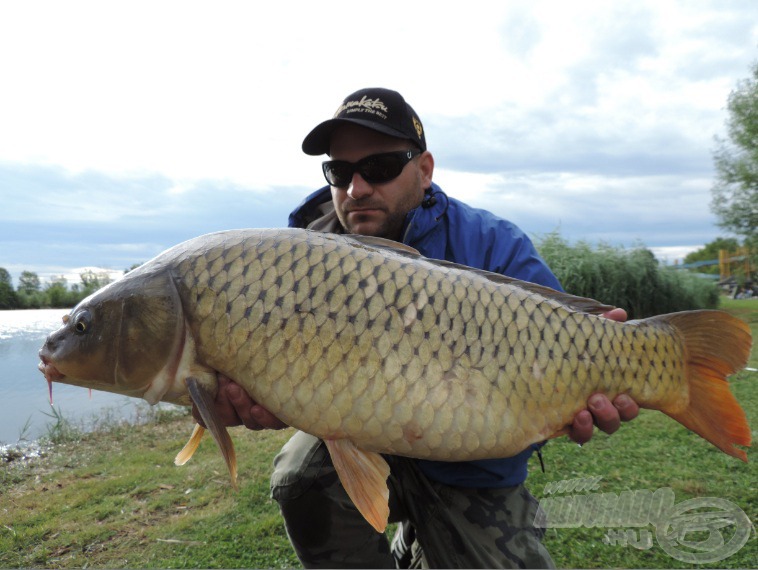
[375,349]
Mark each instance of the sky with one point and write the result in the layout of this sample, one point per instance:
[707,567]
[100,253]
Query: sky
[128,127]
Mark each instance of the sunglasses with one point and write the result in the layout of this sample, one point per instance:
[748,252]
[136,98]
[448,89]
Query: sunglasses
[374,169]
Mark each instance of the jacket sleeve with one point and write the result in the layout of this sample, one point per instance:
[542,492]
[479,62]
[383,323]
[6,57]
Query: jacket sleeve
[518,258]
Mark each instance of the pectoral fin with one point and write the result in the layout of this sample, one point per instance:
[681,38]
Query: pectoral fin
[189,449]
[204,401]
[364,476]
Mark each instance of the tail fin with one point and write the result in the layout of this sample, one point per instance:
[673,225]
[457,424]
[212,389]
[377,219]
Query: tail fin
[717,345]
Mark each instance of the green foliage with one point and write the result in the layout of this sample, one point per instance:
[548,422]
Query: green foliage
[62,430]
[32,299]
[8,297]
[711,250]
[59,297]
[735,193]
[55,294]
[28,282]
[630,279]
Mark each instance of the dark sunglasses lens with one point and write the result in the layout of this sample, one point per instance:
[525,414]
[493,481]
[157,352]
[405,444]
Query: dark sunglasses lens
[381,168]
[338,173]
[375,169]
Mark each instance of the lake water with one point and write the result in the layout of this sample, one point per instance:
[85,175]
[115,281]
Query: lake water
[24,404]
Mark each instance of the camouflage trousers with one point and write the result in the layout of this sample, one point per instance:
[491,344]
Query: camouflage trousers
[454,527]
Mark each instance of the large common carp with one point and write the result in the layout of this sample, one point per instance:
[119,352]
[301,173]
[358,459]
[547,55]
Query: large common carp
[373,348]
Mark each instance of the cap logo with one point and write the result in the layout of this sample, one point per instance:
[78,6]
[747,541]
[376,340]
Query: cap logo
[417,125]
[365,105]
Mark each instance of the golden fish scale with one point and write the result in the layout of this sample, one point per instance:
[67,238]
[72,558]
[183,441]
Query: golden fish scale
[407,357]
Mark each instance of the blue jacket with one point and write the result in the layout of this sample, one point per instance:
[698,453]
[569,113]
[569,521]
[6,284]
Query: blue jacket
[445,228]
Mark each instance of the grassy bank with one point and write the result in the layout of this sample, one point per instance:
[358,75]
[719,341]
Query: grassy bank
[115,499]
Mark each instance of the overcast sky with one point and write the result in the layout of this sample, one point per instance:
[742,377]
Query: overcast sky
[128,127]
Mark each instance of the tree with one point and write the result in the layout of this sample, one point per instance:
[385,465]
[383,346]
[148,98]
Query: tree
[57,294]
[93,281]
[28,282]
[735,192]
[8,297]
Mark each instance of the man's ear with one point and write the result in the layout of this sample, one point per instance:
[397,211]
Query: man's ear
[426,167]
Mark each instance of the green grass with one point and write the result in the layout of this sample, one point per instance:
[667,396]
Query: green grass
[114,498]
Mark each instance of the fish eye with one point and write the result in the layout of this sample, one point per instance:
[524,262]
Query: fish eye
[82,321]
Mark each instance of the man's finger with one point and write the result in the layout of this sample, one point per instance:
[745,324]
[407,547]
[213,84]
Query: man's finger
[627,408]
[581,428]
[616,314]
[606,416]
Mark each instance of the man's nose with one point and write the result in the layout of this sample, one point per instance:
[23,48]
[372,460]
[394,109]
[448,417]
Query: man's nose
[359,188]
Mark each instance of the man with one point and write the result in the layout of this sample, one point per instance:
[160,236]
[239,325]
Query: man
[466,514]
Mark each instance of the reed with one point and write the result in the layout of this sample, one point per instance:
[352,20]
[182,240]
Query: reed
[628,278]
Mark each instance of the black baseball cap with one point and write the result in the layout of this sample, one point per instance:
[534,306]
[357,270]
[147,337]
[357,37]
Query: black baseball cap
[375,108]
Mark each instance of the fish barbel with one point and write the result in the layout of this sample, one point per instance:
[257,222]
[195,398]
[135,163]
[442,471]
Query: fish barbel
[373,348]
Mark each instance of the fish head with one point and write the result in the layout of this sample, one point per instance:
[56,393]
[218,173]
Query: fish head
[125,338]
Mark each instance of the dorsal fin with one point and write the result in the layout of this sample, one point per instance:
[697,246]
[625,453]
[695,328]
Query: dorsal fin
[581,304]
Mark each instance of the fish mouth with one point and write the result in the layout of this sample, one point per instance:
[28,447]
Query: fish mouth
[51,373]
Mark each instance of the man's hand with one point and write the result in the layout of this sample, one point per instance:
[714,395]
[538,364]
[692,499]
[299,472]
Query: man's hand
[601,411]
[235,407]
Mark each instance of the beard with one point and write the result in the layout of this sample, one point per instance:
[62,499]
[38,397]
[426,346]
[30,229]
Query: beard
[389,226]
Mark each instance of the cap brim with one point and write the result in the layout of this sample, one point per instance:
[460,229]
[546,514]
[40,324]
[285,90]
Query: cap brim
[318,140]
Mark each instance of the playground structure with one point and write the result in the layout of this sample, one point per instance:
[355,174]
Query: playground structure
[740,258]
[729,262]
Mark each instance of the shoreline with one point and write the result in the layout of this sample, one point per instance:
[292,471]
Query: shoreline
[65,430]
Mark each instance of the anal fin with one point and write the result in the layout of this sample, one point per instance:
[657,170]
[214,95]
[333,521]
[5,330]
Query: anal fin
[364,476]
[191,446]
[205,403]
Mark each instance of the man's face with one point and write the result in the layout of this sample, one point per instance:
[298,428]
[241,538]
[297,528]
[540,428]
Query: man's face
[377,209]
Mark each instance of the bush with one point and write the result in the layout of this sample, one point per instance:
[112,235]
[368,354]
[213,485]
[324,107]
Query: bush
[630,279]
